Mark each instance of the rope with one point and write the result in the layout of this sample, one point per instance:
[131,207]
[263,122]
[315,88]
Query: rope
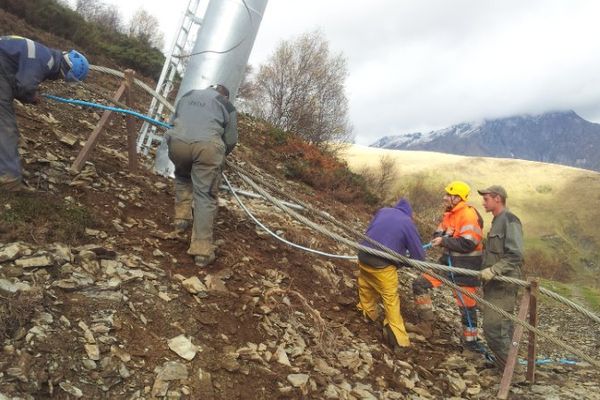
[337,223]
[257,222]
[344,227]
[422,266]
[141,84]
[109,108]
[386,253]
[258,196]
[437,267]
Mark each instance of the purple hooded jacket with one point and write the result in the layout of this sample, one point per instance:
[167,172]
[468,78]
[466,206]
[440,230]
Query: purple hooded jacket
[395,229]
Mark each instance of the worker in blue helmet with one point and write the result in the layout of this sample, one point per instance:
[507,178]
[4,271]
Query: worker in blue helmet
[24,64]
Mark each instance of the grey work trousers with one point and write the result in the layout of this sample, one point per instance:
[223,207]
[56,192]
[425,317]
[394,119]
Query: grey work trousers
[497,329]
[198,168]
[10,164]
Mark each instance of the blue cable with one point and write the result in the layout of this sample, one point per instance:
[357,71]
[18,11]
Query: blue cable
[459,294]
[483,350]
[544,361]
[109,108]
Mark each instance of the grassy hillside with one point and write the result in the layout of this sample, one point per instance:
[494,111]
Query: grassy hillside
[558,205]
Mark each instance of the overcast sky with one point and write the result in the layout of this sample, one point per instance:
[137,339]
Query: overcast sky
[418,65]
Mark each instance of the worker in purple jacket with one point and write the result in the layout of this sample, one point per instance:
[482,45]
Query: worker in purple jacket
[24,64]
[393,228]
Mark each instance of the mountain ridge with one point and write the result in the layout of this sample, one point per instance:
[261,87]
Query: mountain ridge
[560,137]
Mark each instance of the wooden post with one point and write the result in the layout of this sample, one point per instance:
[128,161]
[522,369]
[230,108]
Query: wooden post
[84,154]
[532,348]
[513,352]
[131,133]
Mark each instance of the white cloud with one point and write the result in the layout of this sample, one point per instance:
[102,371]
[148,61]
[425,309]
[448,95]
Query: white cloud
[420,65]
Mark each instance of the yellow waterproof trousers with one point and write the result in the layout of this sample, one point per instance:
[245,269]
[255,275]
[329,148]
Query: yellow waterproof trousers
[383,282]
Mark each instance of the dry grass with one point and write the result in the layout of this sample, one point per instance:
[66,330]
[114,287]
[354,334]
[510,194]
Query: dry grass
[556,204]
[17,310]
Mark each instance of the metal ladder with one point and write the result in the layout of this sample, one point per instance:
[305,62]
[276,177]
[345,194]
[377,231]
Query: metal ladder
[174,63]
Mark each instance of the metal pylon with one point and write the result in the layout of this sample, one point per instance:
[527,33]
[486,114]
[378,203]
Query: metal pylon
[174,63]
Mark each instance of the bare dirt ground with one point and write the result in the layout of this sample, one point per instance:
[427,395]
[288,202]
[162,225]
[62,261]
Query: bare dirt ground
[94,289]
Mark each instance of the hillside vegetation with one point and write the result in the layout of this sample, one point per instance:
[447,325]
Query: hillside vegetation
[557,204]
[99,299]
[98,43]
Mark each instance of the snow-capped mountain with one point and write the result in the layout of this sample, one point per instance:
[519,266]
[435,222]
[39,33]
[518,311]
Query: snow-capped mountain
[557,137]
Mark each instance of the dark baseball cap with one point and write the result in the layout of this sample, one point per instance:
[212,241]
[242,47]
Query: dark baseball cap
[494,189]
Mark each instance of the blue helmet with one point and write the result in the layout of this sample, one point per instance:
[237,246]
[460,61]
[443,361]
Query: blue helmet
[78,66]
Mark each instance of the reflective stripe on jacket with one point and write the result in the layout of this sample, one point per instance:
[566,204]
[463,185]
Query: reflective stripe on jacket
[27,63]
[462,233]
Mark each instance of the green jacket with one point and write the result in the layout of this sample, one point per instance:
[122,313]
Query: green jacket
[503,248]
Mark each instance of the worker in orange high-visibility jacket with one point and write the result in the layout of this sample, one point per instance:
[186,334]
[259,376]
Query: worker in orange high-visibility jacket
[460,236]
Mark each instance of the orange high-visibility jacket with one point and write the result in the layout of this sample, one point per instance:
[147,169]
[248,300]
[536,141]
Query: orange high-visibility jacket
[462,232]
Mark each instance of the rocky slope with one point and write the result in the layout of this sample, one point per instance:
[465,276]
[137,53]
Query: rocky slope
[555,137]
[98,298]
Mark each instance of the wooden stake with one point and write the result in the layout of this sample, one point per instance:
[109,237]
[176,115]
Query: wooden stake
[532,348]
[131,132]
[84,154]
[511,359]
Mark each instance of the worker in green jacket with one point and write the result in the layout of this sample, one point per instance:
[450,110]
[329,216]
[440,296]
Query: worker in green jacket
[502,255]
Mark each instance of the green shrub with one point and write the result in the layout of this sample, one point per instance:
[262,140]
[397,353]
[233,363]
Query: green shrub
[94,40]
[592,297]
[276,137]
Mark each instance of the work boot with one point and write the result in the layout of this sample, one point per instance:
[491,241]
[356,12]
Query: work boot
[473,346]
[475,352]
[203,261]
[390,339]
[14,186]
[182,225]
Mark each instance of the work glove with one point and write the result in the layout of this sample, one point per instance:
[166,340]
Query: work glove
[487,274]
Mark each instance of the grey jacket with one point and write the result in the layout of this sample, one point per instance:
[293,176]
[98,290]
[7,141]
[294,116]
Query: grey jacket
[205,115]
[503,249]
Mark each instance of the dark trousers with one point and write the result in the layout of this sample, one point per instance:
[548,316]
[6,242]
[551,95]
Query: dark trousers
[197,176]
[10,164]
[497,329]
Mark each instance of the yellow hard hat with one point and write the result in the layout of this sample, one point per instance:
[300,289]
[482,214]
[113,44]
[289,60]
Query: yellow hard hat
[458,188]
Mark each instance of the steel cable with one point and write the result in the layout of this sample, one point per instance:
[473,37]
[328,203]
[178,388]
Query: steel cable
[420,265]
[444,268]
[141,84]
[514,281]
[295,245]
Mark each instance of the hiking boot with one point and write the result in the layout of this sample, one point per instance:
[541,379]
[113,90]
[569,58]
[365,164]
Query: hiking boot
[474,347]
[390,339]
[15,186]
[203,261]
[182,225]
